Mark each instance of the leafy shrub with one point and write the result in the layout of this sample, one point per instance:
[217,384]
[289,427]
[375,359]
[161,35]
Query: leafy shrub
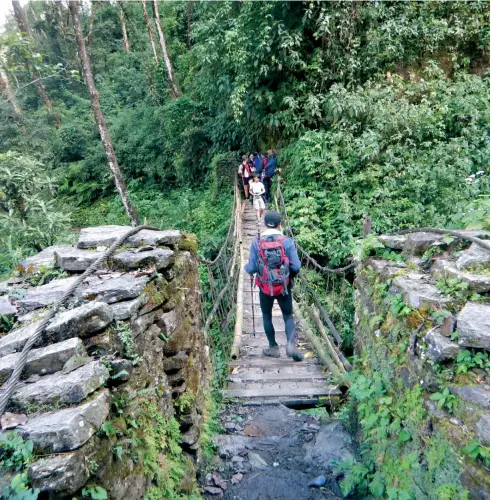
[30,220]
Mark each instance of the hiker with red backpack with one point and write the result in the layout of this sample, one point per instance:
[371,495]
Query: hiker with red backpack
[274,260]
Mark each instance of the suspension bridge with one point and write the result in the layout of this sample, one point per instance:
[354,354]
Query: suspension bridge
[231,306]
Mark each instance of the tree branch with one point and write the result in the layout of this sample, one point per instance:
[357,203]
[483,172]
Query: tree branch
[31,83]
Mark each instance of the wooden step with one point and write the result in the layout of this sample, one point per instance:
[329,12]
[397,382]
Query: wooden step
[278,372]
[282,392]
[265,362]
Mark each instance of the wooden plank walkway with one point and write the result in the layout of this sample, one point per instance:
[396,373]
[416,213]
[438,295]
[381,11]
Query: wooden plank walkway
[254,378]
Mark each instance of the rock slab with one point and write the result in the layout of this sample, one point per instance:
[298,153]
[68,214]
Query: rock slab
[66,430]
[114,289]
[59,388]
[74,259]
[59,475]
[45,258]
[160,258]
[43,361]
[92,237]
[473,325]
[441,348]
[45,295]
[417,293]
[81,321]
[474,256]
[6,308]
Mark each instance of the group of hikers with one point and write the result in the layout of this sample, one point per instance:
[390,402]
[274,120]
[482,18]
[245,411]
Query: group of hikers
[273,257]
[256,172]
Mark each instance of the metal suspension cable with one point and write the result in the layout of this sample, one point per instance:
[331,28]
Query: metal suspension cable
[19,367]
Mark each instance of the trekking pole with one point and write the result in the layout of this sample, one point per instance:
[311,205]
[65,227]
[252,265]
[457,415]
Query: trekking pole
[253,315]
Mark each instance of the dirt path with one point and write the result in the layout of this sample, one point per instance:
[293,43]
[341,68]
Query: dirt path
[274,452]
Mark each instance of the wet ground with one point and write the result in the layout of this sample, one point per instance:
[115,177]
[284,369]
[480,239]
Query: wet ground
[273,453]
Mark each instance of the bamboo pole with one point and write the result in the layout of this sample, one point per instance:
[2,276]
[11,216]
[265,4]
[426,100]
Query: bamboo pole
[239,320]
[338,357]
[322,311]
[323,356]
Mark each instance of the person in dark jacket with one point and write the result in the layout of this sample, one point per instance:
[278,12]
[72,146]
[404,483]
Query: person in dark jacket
[268,173]
[272,220]
[258,165]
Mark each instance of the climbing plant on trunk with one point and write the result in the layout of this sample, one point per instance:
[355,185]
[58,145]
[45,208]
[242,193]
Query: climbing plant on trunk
[150,32]
[99,117]
[175,90]
[126,43]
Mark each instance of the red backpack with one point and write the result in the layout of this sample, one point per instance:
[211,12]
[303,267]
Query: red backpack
[273,276]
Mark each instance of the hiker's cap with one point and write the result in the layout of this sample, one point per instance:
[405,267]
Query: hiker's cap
[272,218]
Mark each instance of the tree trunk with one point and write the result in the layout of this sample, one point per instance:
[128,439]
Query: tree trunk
[188,19]
[123,29]
[20,16]
[5,84]
[150,32]
[170,73]
[99,118]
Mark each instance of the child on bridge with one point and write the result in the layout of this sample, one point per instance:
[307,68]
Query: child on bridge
[257,190]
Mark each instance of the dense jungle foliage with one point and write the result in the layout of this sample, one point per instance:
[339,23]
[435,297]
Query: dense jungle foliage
[377,108]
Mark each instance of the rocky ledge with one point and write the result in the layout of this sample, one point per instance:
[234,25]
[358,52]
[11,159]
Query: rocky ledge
[422,313]
[129,333]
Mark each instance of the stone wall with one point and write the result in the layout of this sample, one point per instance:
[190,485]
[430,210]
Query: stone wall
[113,393]
[420,301]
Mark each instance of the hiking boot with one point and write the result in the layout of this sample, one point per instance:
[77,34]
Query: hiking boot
[293,352]
[272,352]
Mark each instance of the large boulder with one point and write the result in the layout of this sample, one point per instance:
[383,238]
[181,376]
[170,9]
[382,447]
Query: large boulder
[45,295]
[441,348]
[473,325]
[61,388]
[74,259]
[417,293]
[59,475]
[43,361]
[160,258]
[67,430]
[45,258]
[474,257]
[113,289]
[81,321]
[92,237]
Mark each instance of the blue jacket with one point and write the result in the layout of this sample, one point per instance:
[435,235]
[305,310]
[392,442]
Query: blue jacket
[270,168]
[290,250]
[258,164]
